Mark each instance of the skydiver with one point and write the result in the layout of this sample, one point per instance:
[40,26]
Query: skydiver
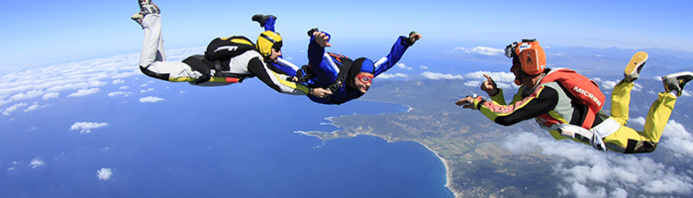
[548,102]
[346,79]
[226,61]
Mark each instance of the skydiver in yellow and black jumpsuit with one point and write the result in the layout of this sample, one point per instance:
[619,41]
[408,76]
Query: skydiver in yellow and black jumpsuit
[226,61]
[607,132]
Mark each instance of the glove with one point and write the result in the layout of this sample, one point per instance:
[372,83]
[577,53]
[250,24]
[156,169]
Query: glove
[597,142]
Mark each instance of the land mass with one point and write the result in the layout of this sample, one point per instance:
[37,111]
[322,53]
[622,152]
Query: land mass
[470,145]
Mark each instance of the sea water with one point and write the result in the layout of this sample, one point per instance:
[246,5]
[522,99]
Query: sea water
[234,141]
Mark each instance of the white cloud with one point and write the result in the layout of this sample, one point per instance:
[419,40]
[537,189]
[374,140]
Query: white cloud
[440,76]
[104,174]
[488,51]
[388,76]
[84,92]
[496,76]
[32,107]
[119,93]
[504,80]
[637,87]
[146,90]
[402,66]
[638,120]
[86,127]
[473,83]
[49,81]
[146,84]
[423,67]
[124,87]
[586,172]
[150,99]
[607,85]
[13,108]
[36,162]
[677,139]
[49,96]
[28,95]
[118,81]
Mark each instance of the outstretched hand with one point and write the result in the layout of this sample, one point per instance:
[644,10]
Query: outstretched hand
[321,38]
[413,37]
[489,86]
[466,102]
[321,92]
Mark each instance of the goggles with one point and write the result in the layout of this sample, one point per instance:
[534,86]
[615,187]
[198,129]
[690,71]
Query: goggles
[366,78]
[277,46]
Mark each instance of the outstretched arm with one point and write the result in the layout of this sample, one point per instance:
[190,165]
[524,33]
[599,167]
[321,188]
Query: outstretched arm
[543,100]
[316,47]
[325,70]
[396,53]
[279,83]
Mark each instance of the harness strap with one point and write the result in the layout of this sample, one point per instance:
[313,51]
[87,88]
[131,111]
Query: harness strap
[606,128]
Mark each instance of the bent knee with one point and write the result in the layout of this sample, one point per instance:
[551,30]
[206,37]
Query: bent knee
[154,74]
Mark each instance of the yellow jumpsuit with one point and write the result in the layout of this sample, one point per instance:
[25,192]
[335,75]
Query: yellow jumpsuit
[628,140]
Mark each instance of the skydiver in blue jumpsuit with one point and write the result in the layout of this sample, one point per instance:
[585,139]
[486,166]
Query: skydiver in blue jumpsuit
[356,76]
[324,68]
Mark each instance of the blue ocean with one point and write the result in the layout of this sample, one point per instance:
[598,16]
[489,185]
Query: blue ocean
[233,141]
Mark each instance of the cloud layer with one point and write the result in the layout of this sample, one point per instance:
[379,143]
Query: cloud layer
[71,80]
[590,173]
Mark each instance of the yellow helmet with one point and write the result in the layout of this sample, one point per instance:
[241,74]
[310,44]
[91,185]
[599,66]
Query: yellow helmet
[268,40]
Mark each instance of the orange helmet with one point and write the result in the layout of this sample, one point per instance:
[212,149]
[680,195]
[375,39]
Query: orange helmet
[531,56]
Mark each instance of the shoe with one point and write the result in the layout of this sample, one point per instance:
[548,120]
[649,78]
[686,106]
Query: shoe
[675,82]
[632,71]
[137,17]
[147,7]
[262,19]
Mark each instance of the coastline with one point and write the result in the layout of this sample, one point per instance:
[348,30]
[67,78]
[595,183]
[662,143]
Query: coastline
[448,171]
[341,133]
[333,135]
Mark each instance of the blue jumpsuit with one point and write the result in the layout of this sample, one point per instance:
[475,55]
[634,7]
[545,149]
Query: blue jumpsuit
[326,71]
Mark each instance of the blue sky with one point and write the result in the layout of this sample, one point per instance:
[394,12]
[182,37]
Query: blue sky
[84,32]
[45,31]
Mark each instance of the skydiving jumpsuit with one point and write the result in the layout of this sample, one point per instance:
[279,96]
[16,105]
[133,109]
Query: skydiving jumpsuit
[282,65]
[549,98]
[326,70]
[248,64]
